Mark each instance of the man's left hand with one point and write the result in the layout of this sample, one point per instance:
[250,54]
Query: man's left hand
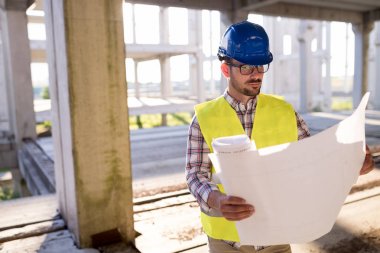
[368,163]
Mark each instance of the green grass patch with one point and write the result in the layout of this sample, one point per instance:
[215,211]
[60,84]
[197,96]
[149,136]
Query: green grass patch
[3,170]
[6,189]
[7,193]
[155,120]
[341,105]
[43,129]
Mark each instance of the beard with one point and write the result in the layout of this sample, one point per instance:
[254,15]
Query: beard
[250,93]
[247,91]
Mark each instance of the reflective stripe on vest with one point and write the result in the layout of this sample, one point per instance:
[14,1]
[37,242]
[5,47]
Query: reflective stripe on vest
[274,123]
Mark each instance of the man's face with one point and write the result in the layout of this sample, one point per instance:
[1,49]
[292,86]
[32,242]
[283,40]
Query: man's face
[243,85]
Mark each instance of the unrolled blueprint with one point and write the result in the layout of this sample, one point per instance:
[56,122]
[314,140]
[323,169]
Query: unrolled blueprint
[297,188]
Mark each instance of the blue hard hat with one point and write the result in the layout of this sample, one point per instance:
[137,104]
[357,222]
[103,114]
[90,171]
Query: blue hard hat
[247,43]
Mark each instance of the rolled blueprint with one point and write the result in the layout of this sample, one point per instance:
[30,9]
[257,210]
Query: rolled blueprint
[232,144]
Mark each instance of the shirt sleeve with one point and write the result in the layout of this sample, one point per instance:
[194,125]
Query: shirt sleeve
[303,130]
[198,166]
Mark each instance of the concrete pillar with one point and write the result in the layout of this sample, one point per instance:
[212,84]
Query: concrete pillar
[137,83]
[376,95]
[4,118]
[90,119]
[16,68]
[166,89]
[201,96]
[304,39]
[327,81]
[227,19]
[361,32]
[195,39]
[212,79]
[196,60]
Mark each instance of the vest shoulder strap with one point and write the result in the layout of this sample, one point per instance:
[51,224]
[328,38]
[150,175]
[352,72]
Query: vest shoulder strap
[217,116]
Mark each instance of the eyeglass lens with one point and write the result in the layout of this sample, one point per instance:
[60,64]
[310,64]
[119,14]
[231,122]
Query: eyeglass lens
[248,69]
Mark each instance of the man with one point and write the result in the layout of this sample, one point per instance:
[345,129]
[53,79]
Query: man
[245,56]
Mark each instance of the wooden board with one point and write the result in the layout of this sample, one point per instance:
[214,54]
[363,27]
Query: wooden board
[32,230]
[25,211]
[60,241]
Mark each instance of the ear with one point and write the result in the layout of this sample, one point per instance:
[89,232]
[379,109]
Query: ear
[225,70]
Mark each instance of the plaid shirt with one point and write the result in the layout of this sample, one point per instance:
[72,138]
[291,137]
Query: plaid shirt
[198,164]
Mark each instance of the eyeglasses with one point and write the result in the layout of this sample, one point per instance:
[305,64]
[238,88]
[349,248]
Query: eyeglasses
[246,69]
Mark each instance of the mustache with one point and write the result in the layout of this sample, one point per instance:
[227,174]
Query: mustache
[255,80]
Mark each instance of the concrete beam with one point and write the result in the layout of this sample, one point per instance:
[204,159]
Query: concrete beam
[36,19]
[333,4]
[361,2]
[90,118]
[16,5]
[146,52]
[220,5]
[139,52]
[373,16]
[303,11]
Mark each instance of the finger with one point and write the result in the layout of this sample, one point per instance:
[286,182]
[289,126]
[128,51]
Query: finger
[236,208]
[237,216]
[233,200]
[368,165]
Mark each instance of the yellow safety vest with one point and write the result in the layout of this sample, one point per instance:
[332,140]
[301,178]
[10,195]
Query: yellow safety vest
[274,123]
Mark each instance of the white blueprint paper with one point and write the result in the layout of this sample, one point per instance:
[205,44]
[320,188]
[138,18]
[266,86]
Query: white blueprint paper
[297,188]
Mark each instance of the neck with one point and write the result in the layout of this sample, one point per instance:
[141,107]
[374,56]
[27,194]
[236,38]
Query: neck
[240,97]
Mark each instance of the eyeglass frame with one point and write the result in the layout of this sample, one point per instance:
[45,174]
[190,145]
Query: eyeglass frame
[252,69]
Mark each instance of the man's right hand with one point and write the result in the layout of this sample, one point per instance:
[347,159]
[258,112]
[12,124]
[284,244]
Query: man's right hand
[232,208]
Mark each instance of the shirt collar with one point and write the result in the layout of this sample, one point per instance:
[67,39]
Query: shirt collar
[237,105]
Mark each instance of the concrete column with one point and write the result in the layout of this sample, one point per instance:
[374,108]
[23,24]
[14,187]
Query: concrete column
[227,19]
[195,39]
[16,68]
[199,79]
[212,79]
[166,89]
[361,32]
[304,39]
[197,60]
[327,81]
[90,118]
[225,22]
[137,83]
[376,95]
[4,118]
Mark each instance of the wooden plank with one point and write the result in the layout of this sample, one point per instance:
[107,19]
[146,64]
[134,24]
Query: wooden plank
[164,203]
[25,211]
[32,230]
[60,241]
[31,175]
[150,199]
[43,162]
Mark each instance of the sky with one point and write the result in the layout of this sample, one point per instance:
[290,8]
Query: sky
[147,32]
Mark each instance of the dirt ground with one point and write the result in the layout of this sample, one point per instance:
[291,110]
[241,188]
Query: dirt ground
[366,243]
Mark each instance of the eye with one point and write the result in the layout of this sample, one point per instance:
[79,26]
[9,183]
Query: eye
[246,68]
